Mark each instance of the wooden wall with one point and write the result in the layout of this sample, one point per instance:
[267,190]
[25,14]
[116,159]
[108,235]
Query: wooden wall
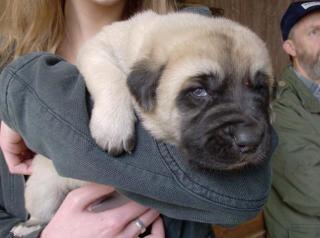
[1,6]
[261,16]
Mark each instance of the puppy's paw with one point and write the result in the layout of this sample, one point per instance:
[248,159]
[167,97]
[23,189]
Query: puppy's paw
[24,229]
[113,131]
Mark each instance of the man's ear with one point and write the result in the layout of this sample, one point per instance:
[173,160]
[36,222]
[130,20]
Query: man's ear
[143,82]
[289,47]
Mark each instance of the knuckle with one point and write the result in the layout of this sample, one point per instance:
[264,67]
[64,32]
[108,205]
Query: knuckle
[114,224]
[73,199]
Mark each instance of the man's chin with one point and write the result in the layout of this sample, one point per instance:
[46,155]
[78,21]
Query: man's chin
[312,69]
[316,71]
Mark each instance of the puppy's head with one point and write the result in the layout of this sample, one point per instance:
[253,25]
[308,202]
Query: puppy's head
[204,86]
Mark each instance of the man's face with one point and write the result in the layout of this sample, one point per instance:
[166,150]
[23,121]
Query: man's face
[306,40]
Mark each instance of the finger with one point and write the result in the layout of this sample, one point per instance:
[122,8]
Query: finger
[16,165]
[157,230]
[15,148]
[133,230]
[19,150]
[7,131]
[82,197]
[24,168]
[126,212]
[11,159]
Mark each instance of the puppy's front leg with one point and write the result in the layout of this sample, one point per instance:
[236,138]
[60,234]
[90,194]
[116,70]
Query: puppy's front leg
[112,119]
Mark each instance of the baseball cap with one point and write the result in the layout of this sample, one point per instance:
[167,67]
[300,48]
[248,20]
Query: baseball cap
[295,12]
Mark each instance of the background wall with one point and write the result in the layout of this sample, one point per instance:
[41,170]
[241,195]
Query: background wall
[263,17]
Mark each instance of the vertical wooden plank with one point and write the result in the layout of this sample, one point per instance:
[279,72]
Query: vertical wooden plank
[1,6]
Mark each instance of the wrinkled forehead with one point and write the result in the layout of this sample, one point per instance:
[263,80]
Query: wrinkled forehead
[220,54]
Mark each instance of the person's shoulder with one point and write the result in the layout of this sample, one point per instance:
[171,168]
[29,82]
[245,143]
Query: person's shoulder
[286,94]
[199,9]
[284,84]
[30,59]
[287,107]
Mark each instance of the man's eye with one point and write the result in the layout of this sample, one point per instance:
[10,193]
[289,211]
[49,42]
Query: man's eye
[199,92]
[314,32]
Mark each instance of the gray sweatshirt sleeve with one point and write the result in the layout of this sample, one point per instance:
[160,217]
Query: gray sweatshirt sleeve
[44,98]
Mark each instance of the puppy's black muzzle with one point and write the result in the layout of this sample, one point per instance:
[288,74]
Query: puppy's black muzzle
[226,138]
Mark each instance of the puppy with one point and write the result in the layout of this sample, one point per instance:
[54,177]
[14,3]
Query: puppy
[196,82]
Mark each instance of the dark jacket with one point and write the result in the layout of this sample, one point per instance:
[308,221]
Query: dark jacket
[293,209]
[45,100]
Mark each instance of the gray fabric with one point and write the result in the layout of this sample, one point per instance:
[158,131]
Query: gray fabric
[202,10]
[51,114]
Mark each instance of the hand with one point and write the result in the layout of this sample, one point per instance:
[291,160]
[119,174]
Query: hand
[15,151]
[75,220]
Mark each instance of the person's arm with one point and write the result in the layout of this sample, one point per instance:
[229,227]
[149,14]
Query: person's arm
[44,99]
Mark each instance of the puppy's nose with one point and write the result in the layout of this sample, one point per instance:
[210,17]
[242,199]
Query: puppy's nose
[247,138]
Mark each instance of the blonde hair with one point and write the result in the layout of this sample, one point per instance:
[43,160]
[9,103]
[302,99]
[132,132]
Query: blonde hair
[38,25]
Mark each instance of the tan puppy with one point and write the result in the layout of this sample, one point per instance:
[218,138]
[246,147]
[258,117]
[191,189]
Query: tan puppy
[199,83]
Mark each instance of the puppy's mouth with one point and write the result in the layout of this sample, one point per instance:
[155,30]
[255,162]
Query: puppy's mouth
[230,159]
[228,156]
[229,141]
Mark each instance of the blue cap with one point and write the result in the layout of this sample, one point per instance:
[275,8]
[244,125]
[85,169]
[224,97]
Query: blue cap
[295,12]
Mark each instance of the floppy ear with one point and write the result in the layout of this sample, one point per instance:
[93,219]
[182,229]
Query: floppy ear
[143,82]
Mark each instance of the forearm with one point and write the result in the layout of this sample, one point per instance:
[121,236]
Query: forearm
[47,103]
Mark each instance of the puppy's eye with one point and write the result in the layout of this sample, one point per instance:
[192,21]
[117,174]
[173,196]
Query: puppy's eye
[199,92]
[261,80]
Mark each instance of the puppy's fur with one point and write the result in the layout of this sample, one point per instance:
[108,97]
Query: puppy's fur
[199,83]
[196,82]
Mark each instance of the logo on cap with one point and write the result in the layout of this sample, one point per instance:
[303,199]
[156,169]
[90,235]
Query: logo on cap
[310,4]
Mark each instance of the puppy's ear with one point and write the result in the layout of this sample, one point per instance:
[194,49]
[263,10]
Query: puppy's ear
[143,82]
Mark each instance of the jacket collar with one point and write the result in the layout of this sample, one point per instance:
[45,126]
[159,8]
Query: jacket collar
[308,100]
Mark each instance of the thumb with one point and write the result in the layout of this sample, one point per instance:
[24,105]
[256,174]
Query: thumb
[12,134]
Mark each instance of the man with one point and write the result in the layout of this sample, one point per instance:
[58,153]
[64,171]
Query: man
[293,208]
